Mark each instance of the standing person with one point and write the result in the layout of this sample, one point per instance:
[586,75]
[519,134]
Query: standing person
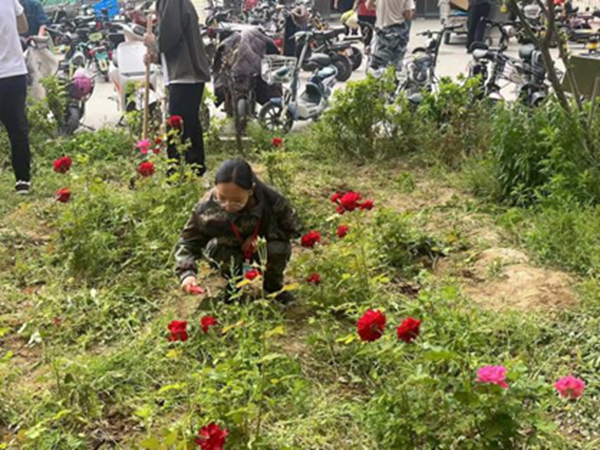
[13,90]
[226,224]
[393,31]
[36,16]
[179,49]
[343,6]
[368,16]
[478,11]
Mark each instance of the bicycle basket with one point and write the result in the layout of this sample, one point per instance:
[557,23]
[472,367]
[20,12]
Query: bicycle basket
[278,69]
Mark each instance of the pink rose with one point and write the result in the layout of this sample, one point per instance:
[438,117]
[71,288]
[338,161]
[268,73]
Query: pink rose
[570,387]
[492,375]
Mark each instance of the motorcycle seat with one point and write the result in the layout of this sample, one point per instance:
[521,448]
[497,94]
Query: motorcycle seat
[526,51]
[329,34]
[319,59]
[480,54]
[326,72]
[415,99]
[312,94]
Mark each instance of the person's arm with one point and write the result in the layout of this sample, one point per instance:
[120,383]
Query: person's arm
[409,13]
[22,25]
[42,18]
[288,219]
[189,248]
[170,26]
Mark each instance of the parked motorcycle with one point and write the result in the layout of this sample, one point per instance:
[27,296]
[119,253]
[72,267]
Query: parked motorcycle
[279,114]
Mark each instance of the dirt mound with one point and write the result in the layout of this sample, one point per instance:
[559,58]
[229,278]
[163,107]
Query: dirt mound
[503,278]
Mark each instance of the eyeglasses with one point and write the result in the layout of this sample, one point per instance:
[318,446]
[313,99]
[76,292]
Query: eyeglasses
[235,205]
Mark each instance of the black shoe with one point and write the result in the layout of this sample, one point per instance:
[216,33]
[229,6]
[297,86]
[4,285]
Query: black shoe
[285,298]
[22,187]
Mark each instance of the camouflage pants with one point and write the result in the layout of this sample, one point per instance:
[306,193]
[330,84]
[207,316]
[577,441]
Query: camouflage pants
[390,46]
[229,260]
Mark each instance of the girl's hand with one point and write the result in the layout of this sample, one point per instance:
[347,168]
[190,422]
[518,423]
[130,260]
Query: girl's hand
[190,286]
[249,245]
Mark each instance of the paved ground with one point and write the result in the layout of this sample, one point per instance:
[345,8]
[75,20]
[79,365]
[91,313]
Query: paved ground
[453,60]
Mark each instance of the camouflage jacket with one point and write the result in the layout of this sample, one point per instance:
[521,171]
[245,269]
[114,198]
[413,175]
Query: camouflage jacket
[279,222]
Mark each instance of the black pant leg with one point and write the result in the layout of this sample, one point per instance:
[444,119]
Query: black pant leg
[483,13]
[278,256]
[185,101]
[13,95]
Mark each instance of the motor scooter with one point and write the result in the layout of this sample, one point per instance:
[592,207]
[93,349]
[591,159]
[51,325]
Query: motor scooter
[127,71]
[279,114]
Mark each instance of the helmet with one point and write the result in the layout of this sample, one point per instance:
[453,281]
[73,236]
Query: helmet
[81,85]
[350,19]
[300,16]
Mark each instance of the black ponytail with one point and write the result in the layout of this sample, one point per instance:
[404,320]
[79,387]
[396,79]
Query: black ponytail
[236,171]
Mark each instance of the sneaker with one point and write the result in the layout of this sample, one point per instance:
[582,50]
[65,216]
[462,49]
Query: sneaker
[22,187]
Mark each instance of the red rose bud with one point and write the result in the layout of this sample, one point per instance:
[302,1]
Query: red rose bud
[206,322]
[211,437]
[146,169]
[367,205]
[340,210]
[309,240]
[175,122]
[408,330]
[158,141]
[277,142]
[251,275]
[315,279]
[63,195]
[371,325]
[178,329]
[63,164]
[335,197]
[342,231]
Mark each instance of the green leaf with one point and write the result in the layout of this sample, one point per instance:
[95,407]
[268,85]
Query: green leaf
[7,357]
[172,387]
[275,331]
[150,443]
[171,438]
[144,412]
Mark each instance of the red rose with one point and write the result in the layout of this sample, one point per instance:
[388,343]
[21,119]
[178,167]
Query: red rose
[315,279]
[350,201]
[335,197]
[175,122]
[340,210]
[178,329]
[158,141]
[408,330]
[309,240]
[211,437]
[63,164]
[146,169]
[370,326]
[208,321]
[63,195]
[367,204]
[252,274]
[342,231]
[277,142]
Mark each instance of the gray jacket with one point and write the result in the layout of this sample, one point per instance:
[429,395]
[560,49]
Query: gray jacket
[180,41]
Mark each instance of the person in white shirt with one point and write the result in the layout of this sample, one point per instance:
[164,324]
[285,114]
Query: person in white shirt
[393,29]
[13,90]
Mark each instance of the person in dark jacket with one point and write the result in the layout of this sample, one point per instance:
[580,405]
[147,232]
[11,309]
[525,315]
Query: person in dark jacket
[179,49]
[226,223]
[36,16]
[478,11]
